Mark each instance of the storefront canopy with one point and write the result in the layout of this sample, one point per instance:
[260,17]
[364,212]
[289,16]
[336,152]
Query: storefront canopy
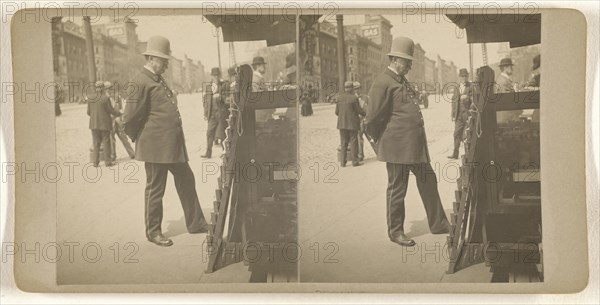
[517,29]
[275,29]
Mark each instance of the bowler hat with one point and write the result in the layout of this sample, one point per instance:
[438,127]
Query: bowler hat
[158,46]
[506,62]
[215,72]
[258,60]
[356,85]
[463,72]
[403,47]
[536,62]
[348,84]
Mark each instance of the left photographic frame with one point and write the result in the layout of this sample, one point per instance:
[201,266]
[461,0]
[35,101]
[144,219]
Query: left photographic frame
[174,156]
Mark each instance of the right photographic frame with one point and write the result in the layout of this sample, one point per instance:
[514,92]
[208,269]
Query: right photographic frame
[422,140]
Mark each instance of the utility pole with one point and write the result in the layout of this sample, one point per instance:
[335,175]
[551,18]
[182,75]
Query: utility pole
[341,51]
[89,44]
[219,49]
[471,62]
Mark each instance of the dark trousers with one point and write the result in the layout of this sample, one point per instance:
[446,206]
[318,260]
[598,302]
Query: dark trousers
[459,127]
[156,181]
[427,185]
[101,138]
[211,132]
[348,137]
[361,143]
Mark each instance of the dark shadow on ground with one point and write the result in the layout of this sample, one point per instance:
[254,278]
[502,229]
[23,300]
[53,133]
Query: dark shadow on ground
[175,228]
[421,227]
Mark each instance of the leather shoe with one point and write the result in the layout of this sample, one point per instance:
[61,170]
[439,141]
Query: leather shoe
[404,241]
[343,164]
[355,164]
[160,240]
[206,156]
[453,157]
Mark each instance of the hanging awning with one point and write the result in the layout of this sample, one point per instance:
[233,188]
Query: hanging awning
[275,29]
[517,29]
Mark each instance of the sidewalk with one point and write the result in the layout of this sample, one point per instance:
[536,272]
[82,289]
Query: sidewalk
[107,213]
[343,223]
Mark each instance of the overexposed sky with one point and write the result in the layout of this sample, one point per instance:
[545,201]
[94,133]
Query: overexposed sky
[196,37]
[436,37]
[193,36]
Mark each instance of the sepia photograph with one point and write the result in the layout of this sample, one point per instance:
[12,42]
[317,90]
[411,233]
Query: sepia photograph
[185,130]
[314,149]
[427,131]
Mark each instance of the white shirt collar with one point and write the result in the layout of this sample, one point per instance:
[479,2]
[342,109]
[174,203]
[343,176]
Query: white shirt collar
[393,70]
[147,68]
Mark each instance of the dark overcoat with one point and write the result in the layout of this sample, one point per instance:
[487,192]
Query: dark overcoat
[348,110]
[460,109]
[215,107]
[152,120]
[394,119]
[100,110]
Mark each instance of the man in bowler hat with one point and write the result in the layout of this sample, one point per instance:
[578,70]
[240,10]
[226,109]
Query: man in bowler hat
[504,80]
[505,84]
[348,111]
[259,67]
[215,94]
[395,121]
[152,120]
[462,98]
[100,110]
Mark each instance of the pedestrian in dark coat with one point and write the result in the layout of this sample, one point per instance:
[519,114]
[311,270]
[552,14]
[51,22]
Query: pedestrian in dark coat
[462,98]
[100,110]
[215,109]
[152,120]
[348,111]
[395,121]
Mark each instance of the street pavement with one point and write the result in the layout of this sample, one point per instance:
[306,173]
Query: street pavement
[342,224]
[343,230]
[101,213]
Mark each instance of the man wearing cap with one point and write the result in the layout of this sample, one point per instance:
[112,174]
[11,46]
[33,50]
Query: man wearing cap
[395,122]
[462,98]
[152,120]
[363,105]
[100,110]
[214,108]
[348,111]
